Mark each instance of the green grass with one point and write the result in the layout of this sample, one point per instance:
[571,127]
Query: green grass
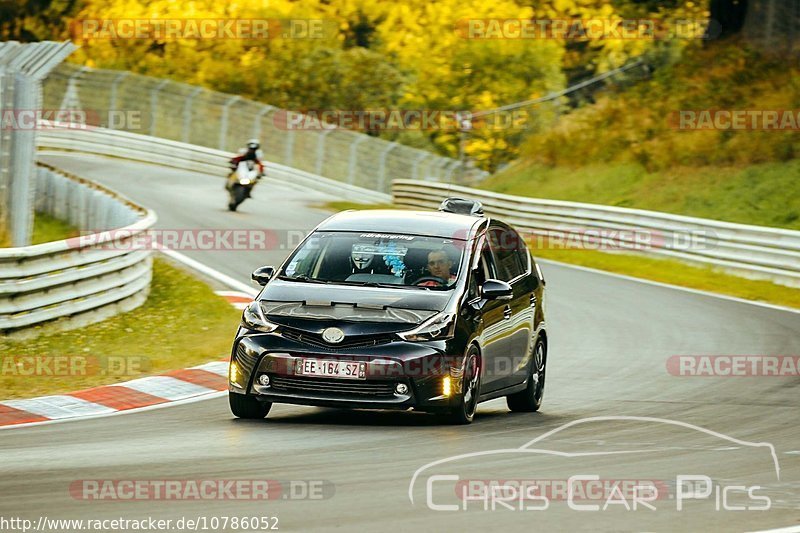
[676,273]
[636,123]
[766,194]
[47,229]
[182,323]
[343,205]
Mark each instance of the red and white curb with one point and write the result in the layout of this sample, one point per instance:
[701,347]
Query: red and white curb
[195,383]
[238,299]
[189,383]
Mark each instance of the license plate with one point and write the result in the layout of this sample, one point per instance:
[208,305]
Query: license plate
[331,369]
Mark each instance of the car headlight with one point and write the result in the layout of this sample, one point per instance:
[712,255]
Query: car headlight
[253,318]
[438,327]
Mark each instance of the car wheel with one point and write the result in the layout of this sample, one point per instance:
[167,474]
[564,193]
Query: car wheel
[464,412]
[243,406]
[530,399]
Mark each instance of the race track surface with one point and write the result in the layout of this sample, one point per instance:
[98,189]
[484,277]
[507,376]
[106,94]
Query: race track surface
[610,341]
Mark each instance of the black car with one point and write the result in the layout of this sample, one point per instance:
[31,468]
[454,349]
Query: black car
[392,309]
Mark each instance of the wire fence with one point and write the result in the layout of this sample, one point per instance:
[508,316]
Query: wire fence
[164,108]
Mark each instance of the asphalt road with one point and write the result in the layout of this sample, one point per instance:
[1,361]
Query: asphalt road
[610,340]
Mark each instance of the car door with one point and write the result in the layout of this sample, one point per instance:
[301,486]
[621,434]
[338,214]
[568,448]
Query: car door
[490,314]
[512,265]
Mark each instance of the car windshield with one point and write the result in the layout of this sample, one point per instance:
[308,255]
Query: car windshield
[376,259]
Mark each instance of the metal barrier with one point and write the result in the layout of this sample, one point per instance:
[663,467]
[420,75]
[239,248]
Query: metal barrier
[83,279]
[165,152]
[22,67]
[749,251]
[194,115]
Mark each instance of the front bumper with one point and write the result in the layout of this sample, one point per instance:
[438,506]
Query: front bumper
[422,367]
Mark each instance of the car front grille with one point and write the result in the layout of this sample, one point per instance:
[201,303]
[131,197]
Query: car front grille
[335,386]
[316,340]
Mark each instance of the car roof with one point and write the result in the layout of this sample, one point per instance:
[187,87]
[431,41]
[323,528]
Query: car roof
[431,223]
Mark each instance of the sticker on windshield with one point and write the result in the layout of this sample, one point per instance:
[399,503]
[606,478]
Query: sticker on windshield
[379,249]
[386,236]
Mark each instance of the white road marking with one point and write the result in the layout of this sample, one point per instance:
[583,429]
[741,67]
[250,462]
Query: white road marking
[167,387]
[59,406]
[215,367]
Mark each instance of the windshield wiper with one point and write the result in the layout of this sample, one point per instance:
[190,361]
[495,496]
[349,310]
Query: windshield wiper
[382,285]
[303,278]
[369,284]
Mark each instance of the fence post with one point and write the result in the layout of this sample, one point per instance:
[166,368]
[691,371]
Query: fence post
[382,165]
[321,151]
[289,157]
[451,169]
[415,166]
[257,121]
[351,171]
[223,123]
[112,101]
[6,145]
[154,105]
[187,113]
[71,100]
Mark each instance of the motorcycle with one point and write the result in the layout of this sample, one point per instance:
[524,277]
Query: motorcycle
[241,182]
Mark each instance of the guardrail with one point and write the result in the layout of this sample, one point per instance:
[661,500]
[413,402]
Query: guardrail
[136,147]
[83,279]
[749,251]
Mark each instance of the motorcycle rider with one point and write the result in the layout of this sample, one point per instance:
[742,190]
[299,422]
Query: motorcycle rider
[249,153]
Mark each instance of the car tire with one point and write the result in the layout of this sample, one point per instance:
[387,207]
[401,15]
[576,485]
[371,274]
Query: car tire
[530,399]
[244,406]
[464,412]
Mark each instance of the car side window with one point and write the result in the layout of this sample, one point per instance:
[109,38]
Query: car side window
[507,248]
[484,269]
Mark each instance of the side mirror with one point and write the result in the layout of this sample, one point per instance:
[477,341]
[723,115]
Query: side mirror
[494,289]
[262,275]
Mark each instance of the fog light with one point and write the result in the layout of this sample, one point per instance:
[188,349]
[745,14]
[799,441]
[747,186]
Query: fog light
[446,386]
[401,388]
[233,373]
[263,379]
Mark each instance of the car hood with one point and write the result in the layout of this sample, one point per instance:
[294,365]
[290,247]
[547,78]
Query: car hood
[355,310]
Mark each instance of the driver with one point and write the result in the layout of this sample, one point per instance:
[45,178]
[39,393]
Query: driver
[439,265]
